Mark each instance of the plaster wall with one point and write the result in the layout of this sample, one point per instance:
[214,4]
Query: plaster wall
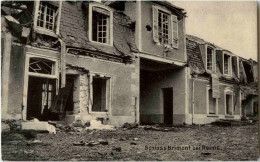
[148,44]
[124,88]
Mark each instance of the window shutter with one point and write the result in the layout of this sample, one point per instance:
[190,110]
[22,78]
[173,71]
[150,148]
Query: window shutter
[174,27]
[155,25]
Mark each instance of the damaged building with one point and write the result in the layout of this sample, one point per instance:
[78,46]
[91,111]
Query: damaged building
[220,83]
[68,60]
[117,62]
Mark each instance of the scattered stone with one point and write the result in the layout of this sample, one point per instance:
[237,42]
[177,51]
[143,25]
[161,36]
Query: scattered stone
[52,123]
[28,151]
[103,142]
[130,125]
[118,149]
[36,142]
[78,123]
[205,153]
[81,143]
[5,127]
[132,143]
[89,144]
[136,139]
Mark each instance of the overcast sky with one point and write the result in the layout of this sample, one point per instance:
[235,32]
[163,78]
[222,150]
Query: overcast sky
[228,24]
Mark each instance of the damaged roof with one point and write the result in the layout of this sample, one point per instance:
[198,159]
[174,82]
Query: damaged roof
[74,32]
[196,63]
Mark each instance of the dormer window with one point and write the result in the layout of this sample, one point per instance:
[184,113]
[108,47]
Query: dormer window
[100,24]
[210,54]
[47,17]
[227,64]
[165,27]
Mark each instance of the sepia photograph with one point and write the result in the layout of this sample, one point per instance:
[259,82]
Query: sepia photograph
[129,80]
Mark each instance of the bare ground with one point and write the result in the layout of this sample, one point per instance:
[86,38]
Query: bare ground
[198,143]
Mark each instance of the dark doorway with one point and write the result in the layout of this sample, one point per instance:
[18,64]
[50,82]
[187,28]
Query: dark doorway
[69,104]
[168,105]
[41,93]
[99,94]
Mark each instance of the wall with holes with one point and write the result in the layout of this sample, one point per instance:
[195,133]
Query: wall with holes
[148,44]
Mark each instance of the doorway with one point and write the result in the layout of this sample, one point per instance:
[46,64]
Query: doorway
[168,105]
[41,93]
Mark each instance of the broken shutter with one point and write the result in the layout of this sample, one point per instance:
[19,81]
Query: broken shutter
[215,86]
[155,25]
[174,27]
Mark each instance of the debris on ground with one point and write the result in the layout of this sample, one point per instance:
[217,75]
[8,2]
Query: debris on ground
[118,149]
[130,125]
[81,143]
[37,125]
[94,124]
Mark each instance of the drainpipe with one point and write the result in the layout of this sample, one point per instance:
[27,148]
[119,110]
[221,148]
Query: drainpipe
[194,76]
[63,63]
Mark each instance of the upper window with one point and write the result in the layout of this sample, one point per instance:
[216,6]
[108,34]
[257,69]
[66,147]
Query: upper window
[210,53]
[47,16]
[101,24]
[227,64]
[163,24]
[165,27]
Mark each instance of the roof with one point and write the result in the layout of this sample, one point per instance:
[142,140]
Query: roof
[73,30]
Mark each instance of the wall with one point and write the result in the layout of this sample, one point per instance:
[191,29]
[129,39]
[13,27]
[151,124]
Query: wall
[16,80]
[151,109]
[124,85]
[148,44]
[200,101]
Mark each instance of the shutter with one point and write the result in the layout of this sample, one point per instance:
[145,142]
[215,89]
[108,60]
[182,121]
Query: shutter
[155,25]
[174,27]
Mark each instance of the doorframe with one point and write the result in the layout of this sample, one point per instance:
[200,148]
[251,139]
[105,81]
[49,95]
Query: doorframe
[162,101]
[28,74]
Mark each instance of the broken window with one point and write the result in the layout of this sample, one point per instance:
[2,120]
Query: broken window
[46,15]
[101,91]
[163,24]
[229,105]
[40,65]
[209,58]
[101,28]
[227,64]
[212,103]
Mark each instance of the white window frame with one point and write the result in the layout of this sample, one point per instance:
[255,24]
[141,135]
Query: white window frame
[28,74]
[212,58]
[207,102]
[41,30]
[229,64]
[90,18]
[108,93]
[229,91]
[170,30]
[166,12]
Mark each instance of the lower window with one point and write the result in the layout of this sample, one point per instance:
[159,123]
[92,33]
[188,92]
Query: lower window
[229,104]
[212,103]
[101,91]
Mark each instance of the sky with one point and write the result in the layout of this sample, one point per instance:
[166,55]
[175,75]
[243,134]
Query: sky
[228,24]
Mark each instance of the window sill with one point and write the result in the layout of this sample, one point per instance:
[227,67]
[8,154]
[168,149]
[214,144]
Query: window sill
[46,32]
[212,115]
[102,44]
[168,46]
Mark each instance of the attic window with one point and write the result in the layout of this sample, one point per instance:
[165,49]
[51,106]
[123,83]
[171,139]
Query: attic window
[210,53]
[101,24]
[227,64]
[46,20]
